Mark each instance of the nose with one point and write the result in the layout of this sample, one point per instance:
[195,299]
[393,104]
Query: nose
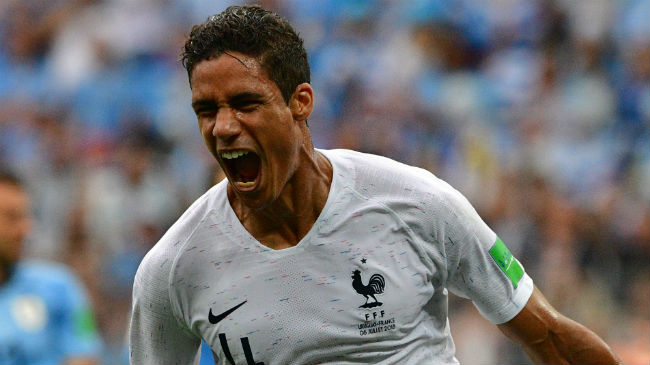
[226,126]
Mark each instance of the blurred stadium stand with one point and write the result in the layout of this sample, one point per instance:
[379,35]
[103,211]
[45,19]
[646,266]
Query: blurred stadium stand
[537,110]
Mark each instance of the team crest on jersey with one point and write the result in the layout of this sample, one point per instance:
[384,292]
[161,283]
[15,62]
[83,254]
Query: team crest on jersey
[29,313]
[375,319]
[376,285]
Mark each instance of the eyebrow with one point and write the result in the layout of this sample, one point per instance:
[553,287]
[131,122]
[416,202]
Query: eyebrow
[243,96]
[202,102]
[247,95]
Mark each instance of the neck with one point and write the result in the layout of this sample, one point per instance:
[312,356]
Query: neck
[289,218]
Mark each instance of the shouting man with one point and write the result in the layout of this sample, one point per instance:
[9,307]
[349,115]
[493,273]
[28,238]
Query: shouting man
[311,256]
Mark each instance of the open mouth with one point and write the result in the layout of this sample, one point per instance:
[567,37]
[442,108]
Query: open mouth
[243,167]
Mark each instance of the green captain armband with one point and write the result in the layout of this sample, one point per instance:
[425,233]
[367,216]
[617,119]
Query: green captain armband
[507,262]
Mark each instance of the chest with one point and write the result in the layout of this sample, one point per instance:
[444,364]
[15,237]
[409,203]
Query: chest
[349,283]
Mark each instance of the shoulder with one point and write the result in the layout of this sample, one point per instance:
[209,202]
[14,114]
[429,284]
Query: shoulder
[158,260]
[53,282]
[152,300]
[364,160]
[379,175]
[424,202]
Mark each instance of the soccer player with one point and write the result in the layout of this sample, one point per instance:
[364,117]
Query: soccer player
[45,318]
[313,256]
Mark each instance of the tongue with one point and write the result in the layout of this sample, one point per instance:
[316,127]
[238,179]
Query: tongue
[247,166]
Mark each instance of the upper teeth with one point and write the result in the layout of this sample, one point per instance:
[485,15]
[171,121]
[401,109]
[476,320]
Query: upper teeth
[233,154]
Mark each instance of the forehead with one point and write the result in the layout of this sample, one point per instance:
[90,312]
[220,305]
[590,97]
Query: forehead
[229,74]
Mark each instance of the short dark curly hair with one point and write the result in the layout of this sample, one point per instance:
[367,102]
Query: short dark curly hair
[255,32]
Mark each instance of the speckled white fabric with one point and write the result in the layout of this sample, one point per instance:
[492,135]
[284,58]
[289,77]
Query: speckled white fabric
[367,285]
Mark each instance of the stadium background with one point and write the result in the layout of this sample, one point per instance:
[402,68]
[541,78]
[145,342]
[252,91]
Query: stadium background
[538,111]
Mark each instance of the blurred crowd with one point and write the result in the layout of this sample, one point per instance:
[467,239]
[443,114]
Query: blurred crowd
[537,110]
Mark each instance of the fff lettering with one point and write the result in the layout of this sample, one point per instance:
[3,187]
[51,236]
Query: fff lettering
[375,314]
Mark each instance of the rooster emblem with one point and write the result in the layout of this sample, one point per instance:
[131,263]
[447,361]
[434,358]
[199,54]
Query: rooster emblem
[375,286]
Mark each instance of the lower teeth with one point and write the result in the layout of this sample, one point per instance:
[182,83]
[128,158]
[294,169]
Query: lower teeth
[245,184]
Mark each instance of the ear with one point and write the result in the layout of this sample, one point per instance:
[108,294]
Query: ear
[302,102]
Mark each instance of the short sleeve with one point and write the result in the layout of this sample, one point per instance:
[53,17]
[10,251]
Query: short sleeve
[479,265]
[156,336]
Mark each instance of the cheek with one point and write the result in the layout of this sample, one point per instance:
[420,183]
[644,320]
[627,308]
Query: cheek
[206,132]
[288,143]
[204,128]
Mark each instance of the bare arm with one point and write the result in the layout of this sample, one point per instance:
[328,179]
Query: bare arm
[548,337]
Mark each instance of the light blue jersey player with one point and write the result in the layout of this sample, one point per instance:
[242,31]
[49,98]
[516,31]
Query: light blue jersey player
[45,317]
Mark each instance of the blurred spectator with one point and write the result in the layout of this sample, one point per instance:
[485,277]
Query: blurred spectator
[44,314]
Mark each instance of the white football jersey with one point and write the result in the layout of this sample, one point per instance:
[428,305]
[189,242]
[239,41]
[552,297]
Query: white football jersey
[367,285]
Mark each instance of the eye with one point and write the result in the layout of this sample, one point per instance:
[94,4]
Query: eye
[247,106]
[204,112]
[204,108]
